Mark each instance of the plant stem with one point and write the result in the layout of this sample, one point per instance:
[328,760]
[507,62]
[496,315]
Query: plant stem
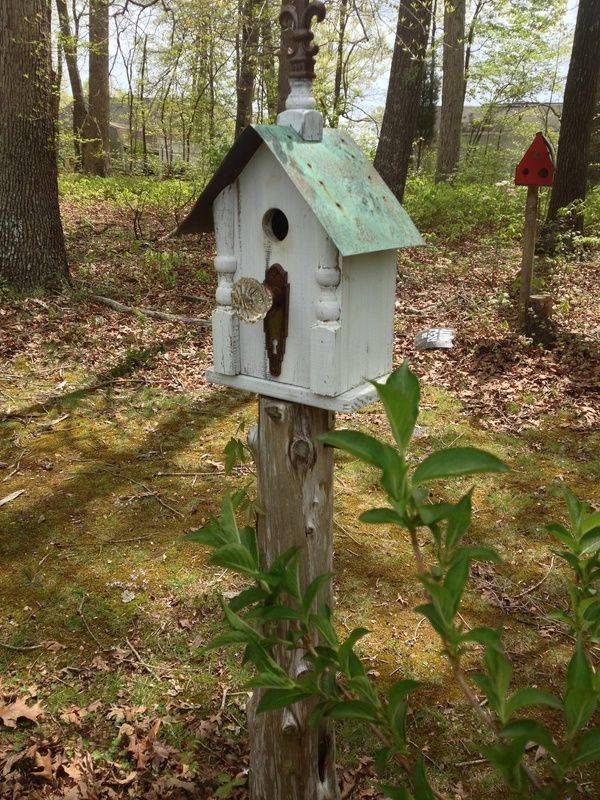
[458,672]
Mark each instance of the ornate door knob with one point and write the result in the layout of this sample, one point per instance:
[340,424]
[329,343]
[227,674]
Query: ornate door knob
[251,300]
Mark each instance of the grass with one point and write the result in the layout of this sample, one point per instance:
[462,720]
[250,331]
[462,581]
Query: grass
[93,560]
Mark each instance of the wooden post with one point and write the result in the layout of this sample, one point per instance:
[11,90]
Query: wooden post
[529,234]
[289,760]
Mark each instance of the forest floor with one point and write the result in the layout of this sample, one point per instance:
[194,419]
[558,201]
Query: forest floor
[111,449]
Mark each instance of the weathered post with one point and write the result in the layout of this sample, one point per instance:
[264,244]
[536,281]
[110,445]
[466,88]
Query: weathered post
[288,759]
[529,235]
[307,235]
[535,169]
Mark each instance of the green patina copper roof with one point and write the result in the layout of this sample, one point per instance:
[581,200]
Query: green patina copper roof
[346,194]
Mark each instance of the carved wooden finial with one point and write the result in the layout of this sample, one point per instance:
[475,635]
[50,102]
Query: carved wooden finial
[301,50]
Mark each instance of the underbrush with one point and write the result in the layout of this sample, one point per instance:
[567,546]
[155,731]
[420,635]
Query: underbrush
[451,211]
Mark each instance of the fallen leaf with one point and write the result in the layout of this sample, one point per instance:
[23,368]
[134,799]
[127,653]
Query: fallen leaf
[11,713]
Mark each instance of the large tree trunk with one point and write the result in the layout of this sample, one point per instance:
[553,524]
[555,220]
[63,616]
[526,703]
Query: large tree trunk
[453,87]
[69,42]
[32,248]
[577,119]
[401,114]
[289,760]
[96,155]
[248,61]
[283,76]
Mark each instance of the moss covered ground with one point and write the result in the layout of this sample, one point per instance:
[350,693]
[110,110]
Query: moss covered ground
[114,442]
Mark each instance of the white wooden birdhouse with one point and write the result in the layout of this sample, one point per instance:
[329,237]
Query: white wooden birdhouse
[307,234]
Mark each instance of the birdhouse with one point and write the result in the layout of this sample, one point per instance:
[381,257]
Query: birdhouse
[536,168]
[307,235]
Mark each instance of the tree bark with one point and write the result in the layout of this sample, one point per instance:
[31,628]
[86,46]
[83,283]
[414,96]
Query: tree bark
[248,61]
[288,759]
[283,77]
[452,89]
[32,248]
[337,105]
[96,152]
[579,106]
[70,50]
[401,113]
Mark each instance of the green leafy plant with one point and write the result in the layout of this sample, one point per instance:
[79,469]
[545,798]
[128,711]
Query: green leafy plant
[275,611]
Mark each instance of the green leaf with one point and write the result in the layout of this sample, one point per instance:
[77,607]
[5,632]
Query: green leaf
[395,792]
[456,580]
[347,648]
[312,590]
[235,453]
[434,512]
[246,598]
[210,534]
[227,518]
[457,461]
[400,396]
[271,680]
[580,699]
[279,612]
[590,541]
[235,557]
[226,639]
[459,520]
[529,731]
[574,506]
[420,784]
[400,691]
[589,747]
[561,533]
[353,709]
[322,621]
[590,521]
[486,636]
[381,516]
[438,624]
[529,696]
[480,553]
[361,445]
[279,698]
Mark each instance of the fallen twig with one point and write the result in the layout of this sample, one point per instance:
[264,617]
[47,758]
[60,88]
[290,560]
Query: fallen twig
[149,312]
[538,584]
[141,660]
[84,620]
[24,648]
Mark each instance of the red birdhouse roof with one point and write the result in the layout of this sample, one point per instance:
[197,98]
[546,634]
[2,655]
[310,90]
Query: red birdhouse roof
[536,168]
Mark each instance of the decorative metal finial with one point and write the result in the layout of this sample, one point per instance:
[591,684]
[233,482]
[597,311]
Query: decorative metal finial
[301,51]
[300,112]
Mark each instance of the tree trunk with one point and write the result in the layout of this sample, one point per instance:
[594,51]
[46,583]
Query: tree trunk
[283,77]
[70,50]
[336,110]
[401,114]
[248,59]
[452,89]
[96,154]
[579,105]
[268,64]
[288,759]
[32,248]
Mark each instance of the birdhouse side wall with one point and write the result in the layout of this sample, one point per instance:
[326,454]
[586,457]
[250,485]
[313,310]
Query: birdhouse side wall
[367,316]
[262,186]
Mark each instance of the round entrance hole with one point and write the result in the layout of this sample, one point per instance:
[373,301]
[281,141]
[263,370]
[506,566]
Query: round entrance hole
[275,224]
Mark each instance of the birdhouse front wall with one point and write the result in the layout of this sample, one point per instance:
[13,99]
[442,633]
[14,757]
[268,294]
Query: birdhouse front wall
[262,187]
[340,319]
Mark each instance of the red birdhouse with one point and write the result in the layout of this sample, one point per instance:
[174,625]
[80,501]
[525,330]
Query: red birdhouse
[536,168]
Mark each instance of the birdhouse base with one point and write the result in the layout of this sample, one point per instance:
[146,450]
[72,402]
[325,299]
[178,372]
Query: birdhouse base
[347,402]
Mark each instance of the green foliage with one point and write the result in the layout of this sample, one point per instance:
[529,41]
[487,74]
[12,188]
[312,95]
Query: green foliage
[461,209]
[275,611]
